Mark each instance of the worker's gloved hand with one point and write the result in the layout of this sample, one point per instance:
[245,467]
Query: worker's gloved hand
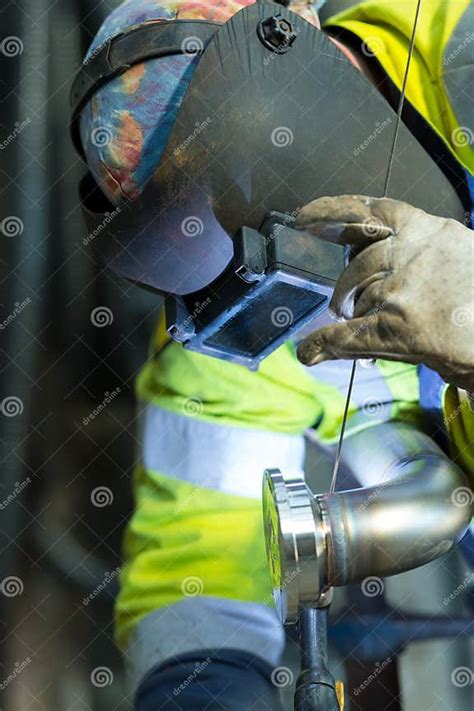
[408,291]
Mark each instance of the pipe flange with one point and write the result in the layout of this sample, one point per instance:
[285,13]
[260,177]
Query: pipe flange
[295,542]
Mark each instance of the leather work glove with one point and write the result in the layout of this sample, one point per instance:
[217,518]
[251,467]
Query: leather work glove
[408,291]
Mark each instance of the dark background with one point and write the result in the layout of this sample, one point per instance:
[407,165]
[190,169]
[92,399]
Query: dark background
[56,544]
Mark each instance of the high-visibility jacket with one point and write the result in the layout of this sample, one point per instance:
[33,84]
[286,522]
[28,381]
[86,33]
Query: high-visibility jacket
[209,427]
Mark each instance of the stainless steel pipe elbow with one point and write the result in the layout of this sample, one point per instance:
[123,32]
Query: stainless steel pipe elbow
[420,507]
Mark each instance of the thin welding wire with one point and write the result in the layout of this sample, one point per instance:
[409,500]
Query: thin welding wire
[343,427]
[387,182]
[402,101]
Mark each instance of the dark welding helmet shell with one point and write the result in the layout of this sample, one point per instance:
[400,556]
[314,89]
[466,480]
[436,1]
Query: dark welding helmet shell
[260,128]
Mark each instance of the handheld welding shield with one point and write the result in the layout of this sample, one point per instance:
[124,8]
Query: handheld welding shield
[271,119]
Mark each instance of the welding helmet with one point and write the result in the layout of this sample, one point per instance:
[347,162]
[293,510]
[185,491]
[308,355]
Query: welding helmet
[205,127]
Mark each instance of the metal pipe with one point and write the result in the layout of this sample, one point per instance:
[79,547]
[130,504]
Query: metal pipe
[414,505]
[418,511]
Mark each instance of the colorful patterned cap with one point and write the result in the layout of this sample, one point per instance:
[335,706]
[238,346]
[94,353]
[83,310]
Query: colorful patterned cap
[125,126]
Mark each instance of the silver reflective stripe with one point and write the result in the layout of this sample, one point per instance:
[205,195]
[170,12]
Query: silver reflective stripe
[228,459]
[370,388]
[203,623]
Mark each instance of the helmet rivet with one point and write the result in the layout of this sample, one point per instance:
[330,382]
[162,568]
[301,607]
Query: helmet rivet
[276,33]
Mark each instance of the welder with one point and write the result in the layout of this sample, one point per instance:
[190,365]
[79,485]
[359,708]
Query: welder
[194,615]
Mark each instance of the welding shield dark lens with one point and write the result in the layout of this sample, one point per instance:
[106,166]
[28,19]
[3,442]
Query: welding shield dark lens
[274,116]
[280,280]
